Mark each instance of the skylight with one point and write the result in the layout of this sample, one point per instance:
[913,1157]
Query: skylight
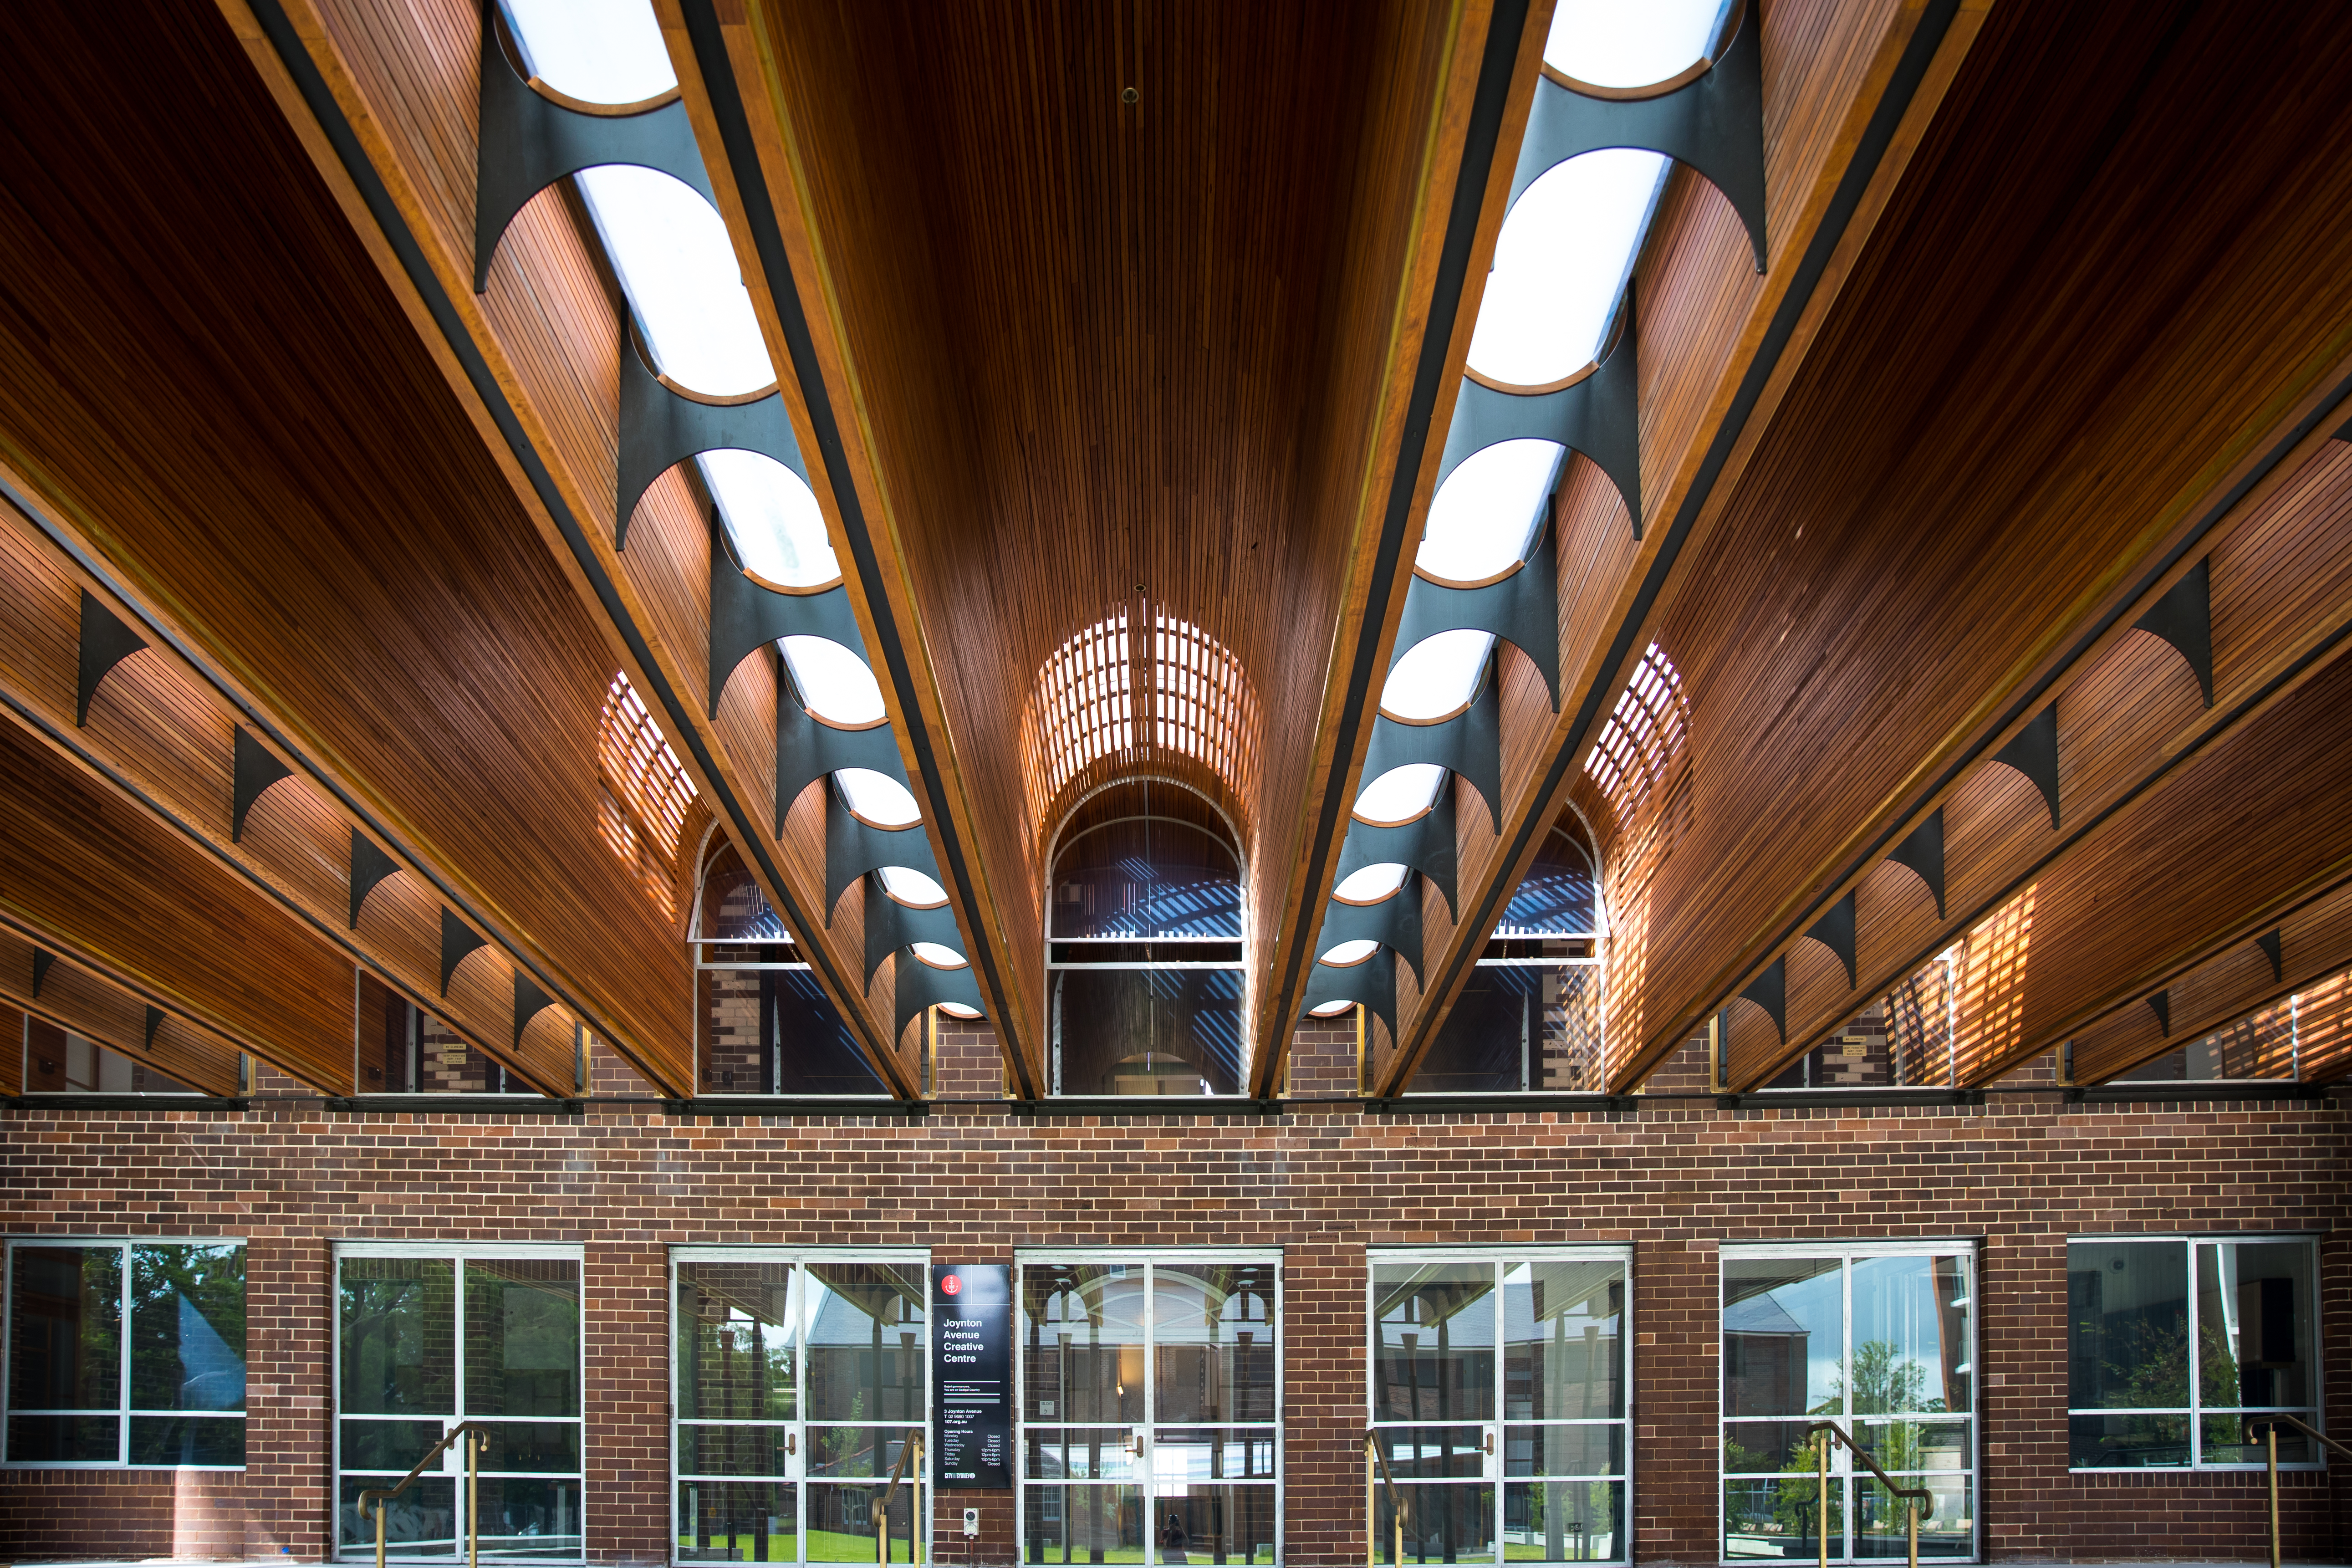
[678,268]
[1610,44]
[1349,952]
[1373,883]
[911,887]
[877,798]
[771,517]
[1560,264]
[1485,513]
[834,682]
[1436,675]
[1332,1009]
[1400,793]
[599,51]
[938,957]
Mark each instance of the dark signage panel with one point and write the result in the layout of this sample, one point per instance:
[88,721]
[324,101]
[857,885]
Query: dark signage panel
[972,1375]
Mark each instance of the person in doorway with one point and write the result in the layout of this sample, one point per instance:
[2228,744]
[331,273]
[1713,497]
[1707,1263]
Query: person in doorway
[1174,1543]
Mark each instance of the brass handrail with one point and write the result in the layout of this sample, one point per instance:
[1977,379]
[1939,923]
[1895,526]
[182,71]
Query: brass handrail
[2271,1442]
[1376,1465]
[382,1496]
[913,1445]
[1821,1431]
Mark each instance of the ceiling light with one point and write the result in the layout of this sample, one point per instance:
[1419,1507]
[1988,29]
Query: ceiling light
[1560,265]
[1610,44]
[1486,514]
[771,517]
[678,268]
[1436,676]
[1400,793]
[599,51]
[834,682]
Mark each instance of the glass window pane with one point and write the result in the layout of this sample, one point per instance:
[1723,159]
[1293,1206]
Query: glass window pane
[1781,1518]
[2237,1439]
[841,1452]
[529,1518]
[2096,1442]
[735,1341]
[187,1328]
[1434,1453]
[865,1344]
[1193,1456]
[188,1439]
[733,1450]
[1080,1453]
[1213,1331]
[522,1338]
[1910,1334]
[1596,1450]
[2253,1323]
[1901,1447]
[1080,1524]
[1783,1321]
[392,1448]
[74,1439]
[1147,1031]
[1563,1522]
[1436,1356]
[841,1525]
[531,1447]
[1767,1448]
[1084,1326]
[1562,1356]
[1882,1520]
[65,1350]
[1442,1524]
[420,1523]
[1205,1523]
[398,1323]
[2128,1329]
[736,1521]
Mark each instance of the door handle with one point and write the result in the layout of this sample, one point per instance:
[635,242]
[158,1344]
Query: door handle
[1490,1444]
[791,1442]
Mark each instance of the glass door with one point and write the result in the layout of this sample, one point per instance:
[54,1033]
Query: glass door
[798,1379]
[429,1336]
[1149,1407]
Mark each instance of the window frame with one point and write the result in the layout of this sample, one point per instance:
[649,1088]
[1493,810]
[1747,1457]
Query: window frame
[797,1257]
[1970,1249]
[459,1253]
[123,1409]
[2189,1241]
[1502,1258]
[1025,1257]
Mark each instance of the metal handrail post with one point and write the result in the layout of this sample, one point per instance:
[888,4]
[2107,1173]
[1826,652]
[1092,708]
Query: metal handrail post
[1913,1509]
[473,1503]
[1371,1513]
[2271,1433]
[381,1497]
[1377,1461]
[381,1504]
[1821,1506]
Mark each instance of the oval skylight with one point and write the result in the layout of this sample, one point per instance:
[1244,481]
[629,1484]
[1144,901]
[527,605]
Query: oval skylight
[1436,676]
[1373,883]
[1560,265]
[1610,44]
[911,887]
[678,268]
[958,1010]
[1399,793]
[834,681]
[771,517]
[1331,1009]
[1486,512]
[877,798]
[938,957]
[1349,952]
[599,51]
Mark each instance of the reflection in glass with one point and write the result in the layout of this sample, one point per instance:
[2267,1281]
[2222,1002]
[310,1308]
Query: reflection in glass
[1434,1453]
[1911,1336]
[1213,1329]
[186,1440]
[528,1517]
[2253,1307]
[187,1328]
[1081,1454]
[522,1336]
[399,1336]
[1084,1524]
[734,1342]
[1453,1523]
[1435,1359]
[1213,1523]
[1780,1517]
[1561,1359]
[1578,1450]
[866,1345]
[2240,1440]
[420,1523]
[1882,1520]
[65,1344]
[1136,1030]
[1083,1326]
[1563,1522]
[735,1521]
[1775,1312]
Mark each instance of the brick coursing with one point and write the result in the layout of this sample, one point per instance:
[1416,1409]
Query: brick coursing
[1674,1178]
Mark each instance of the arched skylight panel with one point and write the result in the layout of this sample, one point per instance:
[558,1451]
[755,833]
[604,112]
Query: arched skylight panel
[772,518]
[1560,264]
[911,887]
[938,957]
[1486,514]
[598,51]
[834,682]
[1349,952]
[1371,884]
[1609,43]
[678,268]
[1400,793]
[1436,676]
[877,798]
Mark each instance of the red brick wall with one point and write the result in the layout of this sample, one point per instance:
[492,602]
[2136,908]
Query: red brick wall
[1674,1177]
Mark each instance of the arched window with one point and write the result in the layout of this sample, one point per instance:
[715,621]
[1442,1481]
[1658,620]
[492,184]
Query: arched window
[643,794]
[1144,945]
[763,1024]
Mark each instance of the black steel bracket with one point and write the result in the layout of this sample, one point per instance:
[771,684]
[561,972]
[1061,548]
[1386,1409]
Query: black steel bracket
[529,142]
[1426,844]
[1393,922]
[1713,124]
[1769,991]
[106,641]
[457,941]
[155,1022]
[1371,983]
[1834,931]
[854,846]
[919,985]
[2160,1003]
[744,616]
[370,866]
[807,748]
[256,768]
[1521,608]
[891,926]
[1599,416]
[1469,744]
[2184,618]
[530,1001]
[2033,752]
[662,427]
[2275,951]
[1923,853]
[42,959]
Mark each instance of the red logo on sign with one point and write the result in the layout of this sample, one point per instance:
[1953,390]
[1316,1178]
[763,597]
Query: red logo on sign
[951,1286]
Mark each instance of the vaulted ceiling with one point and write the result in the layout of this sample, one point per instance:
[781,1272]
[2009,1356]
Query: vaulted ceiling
[1974,481]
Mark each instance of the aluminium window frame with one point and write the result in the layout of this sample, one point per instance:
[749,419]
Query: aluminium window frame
[2189,1240]
[459,1253]
[1619,1252]
[1972,1249]
[124,1410]
[1023,1256]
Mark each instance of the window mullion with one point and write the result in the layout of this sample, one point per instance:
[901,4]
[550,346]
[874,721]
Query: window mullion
[122,1391]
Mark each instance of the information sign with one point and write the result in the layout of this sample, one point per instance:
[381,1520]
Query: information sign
[972,1375]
